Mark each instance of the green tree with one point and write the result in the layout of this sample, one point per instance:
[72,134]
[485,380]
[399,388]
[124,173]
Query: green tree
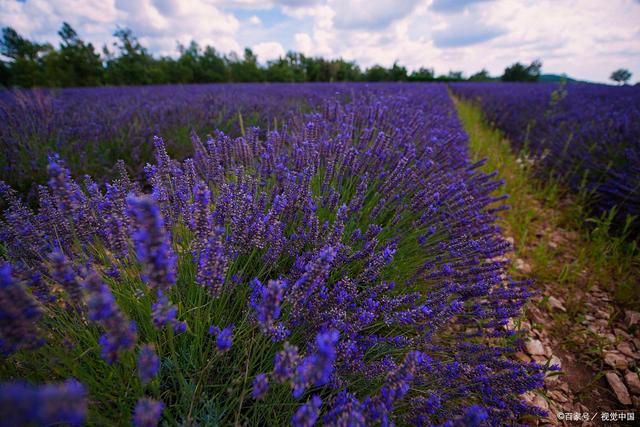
[133,65]
[480,76]
[621,76]
[521,73]
[76,63]
[213,66]
[245,70]
[422,75]
[454,76]
[377,73]
[25,65]
[397,73]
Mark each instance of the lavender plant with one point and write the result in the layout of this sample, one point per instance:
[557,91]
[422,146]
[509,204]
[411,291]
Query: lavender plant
[340,270]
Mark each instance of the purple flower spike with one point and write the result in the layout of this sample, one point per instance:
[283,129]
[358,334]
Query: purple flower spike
[266,300]
[224,337]
[316,369]
[260,386]
[163,313]
[49,404]
[153,247]
[285,363]
[307,414]
[19,314]
[147,412]
[121,334]
[148,363]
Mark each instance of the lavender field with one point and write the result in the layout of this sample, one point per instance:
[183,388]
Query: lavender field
[259,254]
[331,255]
[585,135]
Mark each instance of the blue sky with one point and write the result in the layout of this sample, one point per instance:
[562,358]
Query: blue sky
[585,38]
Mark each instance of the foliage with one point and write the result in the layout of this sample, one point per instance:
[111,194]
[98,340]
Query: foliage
[522,73]
[621,75]
[481,76]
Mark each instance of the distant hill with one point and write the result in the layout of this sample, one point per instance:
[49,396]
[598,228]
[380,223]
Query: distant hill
[553,78]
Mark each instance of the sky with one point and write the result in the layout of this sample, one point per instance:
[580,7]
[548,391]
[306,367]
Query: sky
[587,39]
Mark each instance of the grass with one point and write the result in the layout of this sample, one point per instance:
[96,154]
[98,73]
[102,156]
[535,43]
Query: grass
[550,227]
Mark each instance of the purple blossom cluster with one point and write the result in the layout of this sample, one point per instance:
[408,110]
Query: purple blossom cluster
[587,135]
[121,333]
[148,363]
[23,404]
[353,249]
[147,412]
[19,314]
[224,337]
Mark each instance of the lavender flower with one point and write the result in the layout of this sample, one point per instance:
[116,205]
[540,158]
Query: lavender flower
[164,313]
[19,314]
[316,368]
[147,412]
[212,264]
[285,363]
[63,273]
[266,301]
[345,410]
[307,414]
[121,334]
[224,337]
[260,386]
[23,404]
[152,244]
[148,363]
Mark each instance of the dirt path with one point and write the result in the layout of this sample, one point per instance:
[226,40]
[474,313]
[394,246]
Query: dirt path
[576,320]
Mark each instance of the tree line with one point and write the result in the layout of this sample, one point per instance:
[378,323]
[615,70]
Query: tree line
[75,62]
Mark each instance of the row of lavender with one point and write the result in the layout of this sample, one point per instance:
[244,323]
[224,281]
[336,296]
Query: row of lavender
[587,135]
[340,270]
[93,127]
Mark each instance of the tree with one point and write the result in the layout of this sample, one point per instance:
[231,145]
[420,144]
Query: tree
[75,64]
[133,65]
[397,73]
[245,70]
[480,76]
[521,73]
[454,76]
[377,73]
[422,75]
[25,67]
[213,67]
[621,76]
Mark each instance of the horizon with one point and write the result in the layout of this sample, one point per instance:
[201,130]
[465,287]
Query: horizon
[583,40]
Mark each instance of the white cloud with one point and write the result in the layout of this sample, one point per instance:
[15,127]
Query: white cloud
[586,39]
[303,43]
[370,14]
[268,50]
[158,23]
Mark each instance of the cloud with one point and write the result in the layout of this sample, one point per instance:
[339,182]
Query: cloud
[303,43]
[452,6]
[369,14]
[158,23]
[268,50]
[460,35]
[445,34]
